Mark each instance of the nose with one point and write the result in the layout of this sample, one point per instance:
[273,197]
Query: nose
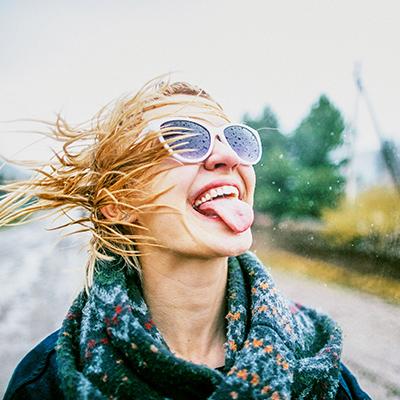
[221,156]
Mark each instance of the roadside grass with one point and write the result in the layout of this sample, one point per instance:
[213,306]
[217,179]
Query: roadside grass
[385,288]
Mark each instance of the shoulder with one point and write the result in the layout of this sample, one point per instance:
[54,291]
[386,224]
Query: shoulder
[36,375]
[349,389]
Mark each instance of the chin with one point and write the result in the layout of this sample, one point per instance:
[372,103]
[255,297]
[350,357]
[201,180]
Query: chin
[209,237]
[234,246]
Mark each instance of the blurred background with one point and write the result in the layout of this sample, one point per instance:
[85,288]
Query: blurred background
[318,79]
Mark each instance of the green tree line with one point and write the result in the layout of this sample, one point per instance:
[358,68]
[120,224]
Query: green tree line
[298,176]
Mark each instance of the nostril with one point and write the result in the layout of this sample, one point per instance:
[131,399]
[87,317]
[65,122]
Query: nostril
[219,165]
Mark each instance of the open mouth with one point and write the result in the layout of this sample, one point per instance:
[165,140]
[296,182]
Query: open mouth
[214,194]
[223,203]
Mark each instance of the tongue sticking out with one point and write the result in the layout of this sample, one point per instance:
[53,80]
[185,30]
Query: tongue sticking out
[236,214]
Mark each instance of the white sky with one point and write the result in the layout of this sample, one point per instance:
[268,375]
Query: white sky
[75,56]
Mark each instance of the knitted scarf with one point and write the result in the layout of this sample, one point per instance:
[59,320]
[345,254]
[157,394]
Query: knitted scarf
[109,348]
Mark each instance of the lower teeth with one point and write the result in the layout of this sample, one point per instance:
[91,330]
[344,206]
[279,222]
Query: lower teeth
[206,215]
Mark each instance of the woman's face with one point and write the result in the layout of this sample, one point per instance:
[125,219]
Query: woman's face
[226,231]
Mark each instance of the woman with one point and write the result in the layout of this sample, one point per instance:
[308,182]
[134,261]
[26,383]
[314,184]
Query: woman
[175,307]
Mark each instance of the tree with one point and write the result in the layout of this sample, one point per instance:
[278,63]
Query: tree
[275,165]
[297,177]
[318,134]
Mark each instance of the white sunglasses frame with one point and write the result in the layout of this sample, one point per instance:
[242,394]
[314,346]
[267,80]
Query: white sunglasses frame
[155,126]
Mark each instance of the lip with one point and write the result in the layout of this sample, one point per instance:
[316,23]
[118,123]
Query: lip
[214,184]
[214,218]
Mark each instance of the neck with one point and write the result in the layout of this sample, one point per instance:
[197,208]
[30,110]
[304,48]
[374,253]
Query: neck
[186,298]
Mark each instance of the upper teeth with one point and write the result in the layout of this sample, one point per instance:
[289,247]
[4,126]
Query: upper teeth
[215,192]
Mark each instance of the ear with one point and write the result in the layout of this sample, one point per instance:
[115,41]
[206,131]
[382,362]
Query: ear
[115,213]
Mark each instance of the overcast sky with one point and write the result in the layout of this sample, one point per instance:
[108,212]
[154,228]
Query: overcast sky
[74,56]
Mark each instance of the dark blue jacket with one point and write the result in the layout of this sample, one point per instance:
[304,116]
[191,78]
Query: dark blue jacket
[36,377]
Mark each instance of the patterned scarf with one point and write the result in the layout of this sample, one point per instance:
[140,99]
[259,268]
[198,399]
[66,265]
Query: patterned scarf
[109,348]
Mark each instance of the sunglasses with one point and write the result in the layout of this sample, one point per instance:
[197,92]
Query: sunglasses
[191,142]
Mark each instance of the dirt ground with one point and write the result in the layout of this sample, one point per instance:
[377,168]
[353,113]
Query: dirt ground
[39,277]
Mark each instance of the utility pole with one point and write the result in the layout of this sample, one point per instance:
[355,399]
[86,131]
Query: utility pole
[387,147]
[350,141]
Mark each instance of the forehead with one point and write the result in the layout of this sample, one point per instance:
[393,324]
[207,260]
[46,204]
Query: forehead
[187,106]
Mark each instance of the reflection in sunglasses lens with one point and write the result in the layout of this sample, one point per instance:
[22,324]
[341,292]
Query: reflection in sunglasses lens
[243,142]
[197,142]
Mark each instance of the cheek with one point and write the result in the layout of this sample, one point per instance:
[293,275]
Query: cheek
[178,179]
[249,178]
[163,221]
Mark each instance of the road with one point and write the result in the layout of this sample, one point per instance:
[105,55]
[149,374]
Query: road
[40,275]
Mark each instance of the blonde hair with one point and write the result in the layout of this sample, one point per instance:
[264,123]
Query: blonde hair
[101,163]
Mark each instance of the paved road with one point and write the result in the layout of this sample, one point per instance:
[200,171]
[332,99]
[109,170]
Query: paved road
[39,277]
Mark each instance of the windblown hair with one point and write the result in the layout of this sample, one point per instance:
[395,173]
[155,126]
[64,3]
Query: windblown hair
[102,162]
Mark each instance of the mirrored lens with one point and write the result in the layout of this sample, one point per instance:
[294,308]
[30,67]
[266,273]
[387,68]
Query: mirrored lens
[244,142]
[190,139]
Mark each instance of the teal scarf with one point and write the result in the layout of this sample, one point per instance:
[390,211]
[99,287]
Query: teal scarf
[109,348]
